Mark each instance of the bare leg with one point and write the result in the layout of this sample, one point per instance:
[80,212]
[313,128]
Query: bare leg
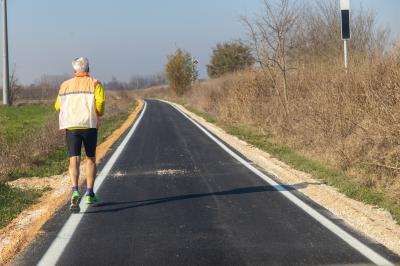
[90,171]
[74,163]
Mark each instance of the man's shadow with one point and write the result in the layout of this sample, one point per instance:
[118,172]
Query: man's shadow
[149,202]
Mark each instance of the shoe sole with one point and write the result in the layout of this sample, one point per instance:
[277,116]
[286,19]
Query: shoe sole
[74,207]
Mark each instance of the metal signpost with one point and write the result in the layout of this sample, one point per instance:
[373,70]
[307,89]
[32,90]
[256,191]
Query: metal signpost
[345,14]
[6,81]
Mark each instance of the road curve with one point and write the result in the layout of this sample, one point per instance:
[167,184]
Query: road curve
[173,197]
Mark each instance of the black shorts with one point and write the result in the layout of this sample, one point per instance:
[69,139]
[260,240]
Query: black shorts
[76,137]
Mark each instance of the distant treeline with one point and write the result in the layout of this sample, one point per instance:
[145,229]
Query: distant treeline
[137,82]
[46,87]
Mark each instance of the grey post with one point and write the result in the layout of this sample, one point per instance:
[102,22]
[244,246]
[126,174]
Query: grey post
[6,81]
[345,54]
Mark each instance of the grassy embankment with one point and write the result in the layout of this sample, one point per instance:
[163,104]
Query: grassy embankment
[16,123]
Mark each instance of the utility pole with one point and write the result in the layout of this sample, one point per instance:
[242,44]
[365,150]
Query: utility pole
[6,75]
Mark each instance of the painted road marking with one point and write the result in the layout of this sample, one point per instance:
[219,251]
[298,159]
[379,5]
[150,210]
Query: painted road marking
[352,241]
[57,247]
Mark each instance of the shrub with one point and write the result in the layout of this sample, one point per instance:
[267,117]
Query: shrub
[229,57]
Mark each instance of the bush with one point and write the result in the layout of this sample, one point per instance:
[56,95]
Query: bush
[180,71]
[229,57]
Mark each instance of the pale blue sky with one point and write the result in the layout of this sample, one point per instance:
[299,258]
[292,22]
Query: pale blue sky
[126,37]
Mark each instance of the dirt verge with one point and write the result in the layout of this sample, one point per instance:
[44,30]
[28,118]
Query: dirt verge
[375,223]
[18,234]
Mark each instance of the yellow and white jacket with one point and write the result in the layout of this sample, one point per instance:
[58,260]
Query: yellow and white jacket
[80,102]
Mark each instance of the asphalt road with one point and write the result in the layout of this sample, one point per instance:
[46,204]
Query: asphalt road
[173,197]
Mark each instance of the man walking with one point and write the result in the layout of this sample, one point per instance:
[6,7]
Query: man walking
[81,102]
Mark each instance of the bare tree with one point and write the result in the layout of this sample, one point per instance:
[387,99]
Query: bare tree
[15,87]
[318,36]
[51,81]
[271,36]
[139,81]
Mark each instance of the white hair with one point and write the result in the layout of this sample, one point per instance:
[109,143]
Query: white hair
[81,64]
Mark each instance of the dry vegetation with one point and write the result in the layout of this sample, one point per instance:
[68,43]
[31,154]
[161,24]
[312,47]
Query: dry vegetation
[300,95]
[36,145]
[33,146]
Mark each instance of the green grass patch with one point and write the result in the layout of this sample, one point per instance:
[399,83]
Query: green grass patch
[13,201]
[17,121]
[108,126]
[55,163]
[330,176]
[209,118]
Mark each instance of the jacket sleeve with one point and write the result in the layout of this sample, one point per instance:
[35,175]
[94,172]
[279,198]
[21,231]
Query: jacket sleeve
[100,99]
[57,104]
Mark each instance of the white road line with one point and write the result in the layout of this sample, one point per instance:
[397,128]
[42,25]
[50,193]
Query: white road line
[353,242]
[61,241]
